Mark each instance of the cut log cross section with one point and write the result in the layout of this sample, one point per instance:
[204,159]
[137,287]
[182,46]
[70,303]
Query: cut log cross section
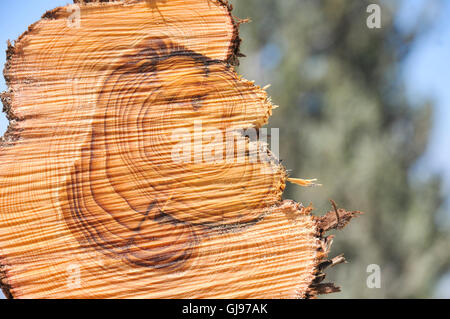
[117,175]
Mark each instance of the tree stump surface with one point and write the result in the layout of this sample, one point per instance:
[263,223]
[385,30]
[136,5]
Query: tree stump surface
[96,200]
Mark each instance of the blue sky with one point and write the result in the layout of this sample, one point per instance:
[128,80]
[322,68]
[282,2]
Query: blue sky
[427,75]
[426,70]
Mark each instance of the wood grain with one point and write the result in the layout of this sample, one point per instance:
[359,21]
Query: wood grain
[93,202]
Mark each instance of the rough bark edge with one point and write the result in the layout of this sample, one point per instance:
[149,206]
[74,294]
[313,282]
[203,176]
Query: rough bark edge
[12,132]
[335,219]
[234,50]
[4,285]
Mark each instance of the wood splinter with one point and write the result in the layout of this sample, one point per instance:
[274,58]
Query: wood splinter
[304,182]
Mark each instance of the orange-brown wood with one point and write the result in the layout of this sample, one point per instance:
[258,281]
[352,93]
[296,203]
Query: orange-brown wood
[96,200]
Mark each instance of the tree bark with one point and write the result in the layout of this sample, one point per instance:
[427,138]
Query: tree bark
[95,202]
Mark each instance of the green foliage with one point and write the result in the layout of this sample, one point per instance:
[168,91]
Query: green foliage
[345,120]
